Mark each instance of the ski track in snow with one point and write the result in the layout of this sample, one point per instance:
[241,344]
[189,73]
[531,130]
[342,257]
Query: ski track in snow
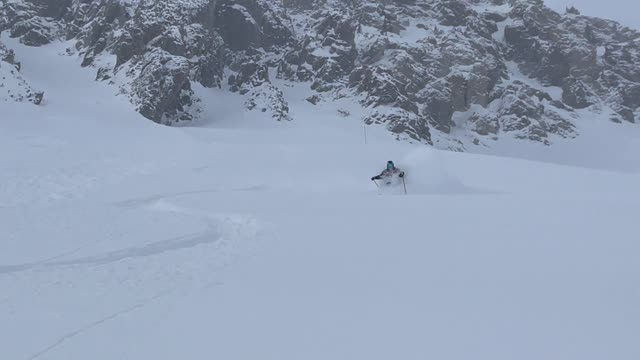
[153,203]
[154,198]
[69,336]
[159,247]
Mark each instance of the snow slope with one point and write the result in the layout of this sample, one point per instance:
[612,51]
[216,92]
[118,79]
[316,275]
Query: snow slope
[247,239]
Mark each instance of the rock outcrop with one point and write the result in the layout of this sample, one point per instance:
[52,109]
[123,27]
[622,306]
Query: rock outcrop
[446,72]
[13,86]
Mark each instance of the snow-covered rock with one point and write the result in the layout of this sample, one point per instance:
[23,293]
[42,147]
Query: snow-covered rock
[563,50]
[13,86]
[458,70]
[425,62]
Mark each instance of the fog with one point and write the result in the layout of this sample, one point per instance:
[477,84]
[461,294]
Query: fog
[624,11]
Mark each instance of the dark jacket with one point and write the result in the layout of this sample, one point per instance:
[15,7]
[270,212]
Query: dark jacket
[389,173]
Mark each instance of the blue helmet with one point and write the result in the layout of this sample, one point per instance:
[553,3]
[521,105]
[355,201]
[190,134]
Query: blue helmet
[390,165]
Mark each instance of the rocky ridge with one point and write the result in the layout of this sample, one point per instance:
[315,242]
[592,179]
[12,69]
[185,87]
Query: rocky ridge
[444,72]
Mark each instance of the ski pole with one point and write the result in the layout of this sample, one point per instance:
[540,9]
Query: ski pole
[364,128]
[375,182]
[405,186]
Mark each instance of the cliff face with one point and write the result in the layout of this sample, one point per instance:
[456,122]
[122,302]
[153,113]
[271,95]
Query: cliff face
[435,71]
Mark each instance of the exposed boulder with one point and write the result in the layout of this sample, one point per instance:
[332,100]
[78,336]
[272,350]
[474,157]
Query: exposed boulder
[326,57]
[161,89]
[251,23]
[523,112]
[404,124]
[577,94]
[252,80]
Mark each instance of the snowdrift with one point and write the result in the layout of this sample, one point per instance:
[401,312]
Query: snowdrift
[427,173]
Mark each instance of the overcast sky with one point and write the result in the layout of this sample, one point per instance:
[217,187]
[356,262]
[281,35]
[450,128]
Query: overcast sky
[626,12]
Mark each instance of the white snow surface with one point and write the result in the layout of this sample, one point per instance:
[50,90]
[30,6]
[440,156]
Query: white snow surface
[245,238]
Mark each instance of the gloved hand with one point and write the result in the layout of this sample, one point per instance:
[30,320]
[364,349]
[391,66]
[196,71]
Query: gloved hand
[375,178]
[402,174]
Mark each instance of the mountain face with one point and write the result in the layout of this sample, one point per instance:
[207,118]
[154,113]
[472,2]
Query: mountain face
[442,72]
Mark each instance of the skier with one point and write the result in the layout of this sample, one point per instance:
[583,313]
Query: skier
[387,174]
